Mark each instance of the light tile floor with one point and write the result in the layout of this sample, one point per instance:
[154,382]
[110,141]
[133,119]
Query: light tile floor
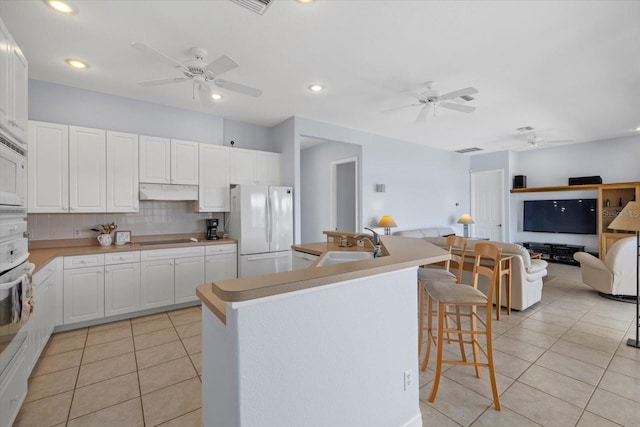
[561,362]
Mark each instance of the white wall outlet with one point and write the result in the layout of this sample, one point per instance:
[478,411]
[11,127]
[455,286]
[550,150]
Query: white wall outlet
[76,232]
[408,379]
[360,243]
[330,239]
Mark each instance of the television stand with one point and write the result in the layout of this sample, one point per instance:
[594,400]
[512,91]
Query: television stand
[555,252]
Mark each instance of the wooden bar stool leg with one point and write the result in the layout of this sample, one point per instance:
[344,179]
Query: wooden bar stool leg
[508,284]
[474,339]
[420,316]
[439,345]
[492,372]
[463,352]
[425,362]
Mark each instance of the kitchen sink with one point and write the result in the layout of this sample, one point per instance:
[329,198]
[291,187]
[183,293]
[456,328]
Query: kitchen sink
[338,257]
[166,242]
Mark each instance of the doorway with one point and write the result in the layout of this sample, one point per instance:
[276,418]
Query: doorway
[344,195]
[487,204]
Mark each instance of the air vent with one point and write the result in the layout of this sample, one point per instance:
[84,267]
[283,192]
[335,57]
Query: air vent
[467,98]
[525,129]
[257,6]
[468,150]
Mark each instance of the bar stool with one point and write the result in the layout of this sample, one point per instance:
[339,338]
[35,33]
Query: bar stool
[447,294]
[456,245]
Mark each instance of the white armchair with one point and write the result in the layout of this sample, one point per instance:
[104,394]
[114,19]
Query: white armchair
[617,274]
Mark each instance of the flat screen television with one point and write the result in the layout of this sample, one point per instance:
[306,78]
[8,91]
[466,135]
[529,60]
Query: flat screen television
[575,216]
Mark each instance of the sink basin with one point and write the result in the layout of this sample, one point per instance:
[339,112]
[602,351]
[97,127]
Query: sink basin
[338,257]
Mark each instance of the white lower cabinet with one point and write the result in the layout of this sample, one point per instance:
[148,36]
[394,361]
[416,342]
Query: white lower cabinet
[121,288]
[156,283]
[83,294]
[221,263]
[13,388]
[189,273]
[42,320]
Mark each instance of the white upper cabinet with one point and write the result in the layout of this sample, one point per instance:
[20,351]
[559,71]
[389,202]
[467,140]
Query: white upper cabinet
[87,170]
[48,168]
[167,161]
[213,193]
[13,87]
[122,172]
[255,167]
[184,162]
[155,159]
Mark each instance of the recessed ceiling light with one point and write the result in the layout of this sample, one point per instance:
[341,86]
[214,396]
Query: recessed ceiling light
[316,87]
[60,6]
[216,96]
[638,128]
[76,63]
[305,1]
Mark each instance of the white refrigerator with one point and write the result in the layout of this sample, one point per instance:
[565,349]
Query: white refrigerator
[261,220]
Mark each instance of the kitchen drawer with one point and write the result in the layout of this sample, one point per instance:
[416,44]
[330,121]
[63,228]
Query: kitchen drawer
[83,261]
[44,273]
[172,253]
[220,249]
[122,257]
[11,229]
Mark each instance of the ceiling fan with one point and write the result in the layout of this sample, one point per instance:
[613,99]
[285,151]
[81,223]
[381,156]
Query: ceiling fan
[431,98]
[536,141]
[198,71]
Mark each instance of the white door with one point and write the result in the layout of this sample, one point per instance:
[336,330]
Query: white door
[344,195]
[213,190]
[121,288]
[48,168]
[268,168]
[243,164]
[487,205]
[155,159]
[221,267]
[83,294]
[189,273]
[87,170]
[156,283]
[122,172]
[280,218]
[184,162]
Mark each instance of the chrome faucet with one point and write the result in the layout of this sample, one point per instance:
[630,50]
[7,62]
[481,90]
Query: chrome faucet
[374,240]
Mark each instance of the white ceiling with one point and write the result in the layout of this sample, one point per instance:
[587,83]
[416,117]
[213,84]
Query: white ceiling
[570,69]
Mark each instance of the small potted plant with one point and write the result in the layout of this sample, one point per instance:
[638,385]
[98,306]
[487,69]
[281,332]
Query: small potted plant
[104,238]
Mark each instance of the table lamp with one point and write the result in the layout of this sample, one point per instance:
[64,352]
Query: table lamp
[629,220]
[387,222]
[466,220]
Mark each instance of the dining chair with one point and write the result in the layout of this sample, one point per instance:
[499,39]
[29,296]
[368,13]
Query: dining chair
[457,246]
[451,295]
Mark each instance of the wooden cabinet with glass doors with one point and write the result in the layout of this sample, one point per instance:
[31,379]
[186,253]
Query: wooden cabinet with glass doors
[612,198]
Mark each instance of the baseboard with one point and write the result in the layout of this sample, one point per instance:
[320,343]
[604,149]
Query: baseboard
[414,422]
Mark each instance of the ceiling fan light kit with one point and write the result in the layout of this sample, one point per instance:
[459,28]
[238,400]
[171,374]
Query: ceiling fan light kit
[199,72]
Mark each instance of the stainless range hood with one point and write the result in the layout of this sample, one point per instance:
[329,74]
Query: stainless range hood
[170,192]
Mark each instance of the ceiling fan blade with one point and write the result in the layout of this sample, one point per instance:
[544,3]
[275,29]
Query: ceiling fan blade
[424,112]
[457,107]
[458,93]
[402,107]
[159,82]
[221,65]
[148,50]
[237,87]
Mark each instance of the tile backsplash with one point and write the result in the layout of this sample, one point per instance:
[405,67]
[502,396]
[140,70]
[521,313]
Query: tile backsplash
[155,217]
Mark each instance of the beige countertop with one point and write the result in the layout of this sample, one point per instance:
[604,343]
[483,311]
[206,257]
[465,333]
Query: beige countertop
[403,252]
[52,249]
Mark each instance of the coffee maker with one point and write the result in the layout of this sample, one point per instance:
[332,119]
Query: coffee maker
[212,229]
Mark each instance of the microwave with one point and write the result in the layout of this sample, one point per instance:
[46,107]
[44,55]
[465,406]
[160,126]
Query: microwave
[13,176]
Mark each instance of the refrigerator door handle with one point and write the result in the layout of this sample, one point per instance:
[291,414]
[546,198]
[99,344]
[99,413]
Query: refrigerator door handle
[267,219]
[270,223]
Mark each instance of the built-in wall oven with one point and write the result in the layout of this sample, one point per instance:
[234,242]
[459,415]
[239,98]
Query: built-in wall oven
[13,176]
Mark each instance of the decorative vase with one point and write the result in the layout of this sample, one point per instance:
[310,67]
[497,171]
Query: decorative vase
[105,239]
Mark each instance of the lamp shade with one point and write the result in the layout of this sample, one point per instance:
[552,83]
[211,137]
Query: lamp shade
[386,222]
[465,219]
[628,219]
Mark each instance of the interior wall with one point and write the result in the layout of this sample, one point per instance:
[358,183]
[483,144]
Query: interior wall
[315,185]
[424,186]
[615,160]
[247,135]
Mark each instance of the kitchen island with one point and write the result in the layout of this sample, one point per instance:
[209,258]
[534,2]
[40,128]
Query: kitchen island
[329,345]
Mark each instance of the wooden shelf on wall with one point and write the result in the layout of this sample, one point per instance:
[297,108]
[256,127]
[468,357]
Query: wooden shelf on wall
[572,187]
